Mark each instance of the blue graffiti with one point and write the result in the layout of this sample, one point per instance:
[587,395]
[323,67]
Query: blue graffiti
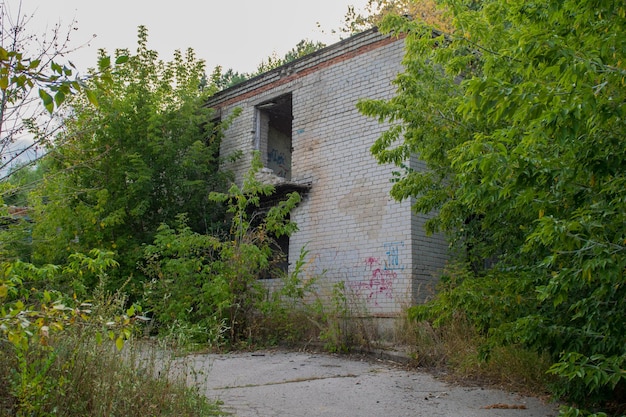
[392,250]
[276,157]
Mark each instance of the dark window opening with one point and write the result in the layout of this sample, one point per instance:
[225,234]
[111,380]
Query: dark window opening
[274,134]
[281,243]
[280,247]
[282,252]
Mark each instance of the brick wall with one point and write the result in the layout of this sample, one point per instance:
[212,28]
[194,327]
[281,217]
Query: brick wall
[354,231]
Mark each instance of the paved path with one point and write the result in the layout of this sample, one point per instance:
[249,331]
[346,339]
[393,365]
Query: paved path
[297,384]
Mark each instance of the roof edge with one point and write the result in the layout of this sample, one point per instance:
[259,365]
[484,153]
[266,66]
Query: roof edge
[307,62]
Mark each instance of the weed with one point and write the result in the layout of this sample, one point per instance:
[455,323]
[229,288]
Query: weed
[340,320]
[78,376]
[461,326]
[57,360]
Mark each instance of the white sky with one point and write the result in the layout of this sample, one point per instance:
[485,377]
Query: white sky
[236,34]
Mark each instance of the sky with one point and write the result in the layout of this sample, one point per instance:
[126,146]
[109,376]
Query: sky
[235,34]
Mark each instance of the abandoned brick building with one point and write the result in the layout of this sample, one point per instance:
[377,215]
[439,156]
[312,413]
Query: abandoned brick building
[303,119]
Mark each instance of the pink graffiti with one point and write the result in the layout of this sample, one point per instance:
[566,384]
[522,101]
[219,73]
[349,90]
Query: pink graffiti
[371,262]
[378,286]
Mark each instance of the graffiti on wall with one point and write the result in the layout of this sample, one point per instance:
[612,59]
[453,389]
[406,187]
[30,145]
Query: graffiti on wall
[278,162]
[275,156]
[370,278]
[392,250]
[377,282]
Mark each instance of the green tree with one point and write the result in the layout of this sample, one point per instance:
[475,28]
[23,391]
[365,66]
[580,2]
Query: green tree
[15,225]
[430,12]
[303,48]
[33,87]
[230,77]
[519,116]
[147,153]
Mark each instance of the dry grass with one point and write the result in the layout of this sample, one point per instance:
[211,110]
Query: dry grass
[455,349]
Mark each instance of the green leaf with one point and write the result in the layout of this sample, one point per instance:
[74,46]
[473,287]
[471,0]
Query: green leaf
[56,68]
[59,98]
[34,64]
[104,63]
[47,99]
[121,59]
[119,343]
[91,96]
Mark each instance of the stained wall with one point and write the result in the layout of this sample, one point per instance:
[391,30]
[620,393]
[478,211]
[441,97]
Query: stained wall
[355,233]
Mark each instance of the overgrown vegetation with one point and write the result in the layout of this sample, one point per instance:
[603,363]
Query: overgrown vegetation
[214,289]
[99,186]
[146,154]
[447,334]
[63,357]
[518,113]
[517,109]
[215,283]
[134,173]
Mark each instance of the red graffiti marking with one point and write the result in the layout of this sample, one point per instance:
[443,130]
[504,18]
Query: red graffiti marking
[371,262]
[379,284]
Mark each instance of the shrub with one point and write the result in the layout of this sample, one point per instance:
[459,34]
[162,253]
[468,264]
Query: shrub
[53,356]
[462,328]
[214,283]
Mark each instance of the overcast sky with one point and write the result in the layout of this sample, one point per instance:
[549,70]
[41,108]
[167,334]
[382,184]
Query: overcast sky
[236,34]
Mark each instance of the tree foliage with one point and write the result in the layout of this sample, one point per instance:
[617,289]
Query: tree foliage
[33,85]
[147,153]
[230,77]
[519,116]
[430,12]
[211,283]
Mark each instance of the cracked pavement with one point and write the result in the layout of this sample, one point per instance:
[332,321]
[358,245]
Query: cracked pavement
[300,384]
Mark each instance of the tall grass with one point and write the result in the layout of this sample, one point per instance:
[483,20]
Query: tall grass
[73,372]
[456,348]
[76,376]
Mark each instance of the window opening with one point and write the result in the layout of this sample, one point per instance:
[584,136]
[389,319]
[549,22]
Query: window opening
[282,251]
[279,245]
[274,134]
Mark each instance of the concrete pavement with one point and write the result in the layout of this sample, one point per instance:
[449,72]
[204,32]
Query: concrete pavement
[300,384]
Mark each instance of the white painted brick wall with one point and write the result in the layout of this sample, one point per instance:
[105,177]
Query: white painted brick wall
[354,231]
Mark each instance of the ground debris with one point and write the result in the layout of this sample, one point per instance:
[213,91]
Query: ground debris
[502,406]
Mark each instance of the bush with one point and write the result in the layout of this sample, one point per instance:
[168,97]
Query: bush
[465,327]
[75,375]
[53,356]
[214,283]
